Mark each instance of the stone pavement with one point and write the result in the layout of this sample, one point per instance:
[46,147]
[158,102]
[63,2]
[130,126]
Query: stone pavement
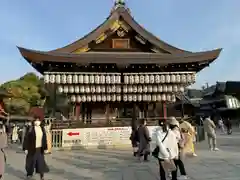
[119,165]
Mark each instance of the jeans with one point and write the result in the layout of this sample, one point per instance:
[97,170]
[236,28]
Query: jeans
[181,167]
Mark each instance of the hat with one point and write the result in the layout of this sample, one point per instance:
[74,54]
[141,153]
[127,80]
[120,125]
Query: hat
[173,121]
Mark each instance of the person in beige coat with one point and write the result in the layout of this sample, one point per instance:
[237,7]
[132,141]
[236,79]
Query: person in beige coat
[3,145]
[209,128]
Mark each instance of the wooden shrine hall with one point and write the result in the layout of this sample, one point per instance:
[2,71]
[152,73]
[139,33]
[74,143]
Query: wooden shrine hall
[119,66]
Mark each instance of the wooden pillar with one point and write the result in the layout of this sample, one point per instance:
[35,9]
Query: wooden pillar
[83,112]
[134,116]
[107,115]
[77,111]
[164,105]
[54,100]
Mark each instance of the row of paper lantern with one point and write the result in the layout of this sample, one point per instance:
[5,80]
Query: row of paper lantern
[152,88]
[156,78]
[82,79]
[90,89]
[129,97]
[117,89]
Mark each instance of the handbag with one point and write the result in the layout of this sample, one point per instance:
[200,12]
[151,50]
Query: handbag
[156,150]
[168,165]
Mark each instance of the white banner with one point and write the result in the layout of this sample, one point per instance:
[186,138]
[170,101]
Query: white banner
[98,137]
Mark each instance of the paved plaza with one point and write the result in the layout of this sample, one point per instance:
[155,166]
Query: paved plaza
[119,164]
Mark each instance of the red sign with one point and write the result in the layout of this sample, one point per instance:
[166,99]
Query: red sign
[73,133]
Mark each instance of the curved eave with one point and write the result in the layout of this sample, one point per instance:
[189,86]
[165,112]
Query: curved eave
[119,57]
[115,15]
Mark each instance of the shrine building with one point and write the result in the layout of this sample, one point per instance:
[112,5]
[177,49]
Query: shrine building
[119,65]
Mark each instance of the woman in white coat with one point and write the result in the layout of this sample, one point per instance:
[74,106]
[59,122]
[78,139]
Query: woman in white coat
[166,140]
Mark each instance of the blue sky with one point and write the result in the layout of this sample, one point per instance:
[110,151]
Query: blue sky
[189,24]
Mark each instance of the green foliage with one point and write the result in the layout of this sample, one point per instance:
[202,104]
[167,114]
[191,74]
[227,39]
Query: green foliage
[27,91]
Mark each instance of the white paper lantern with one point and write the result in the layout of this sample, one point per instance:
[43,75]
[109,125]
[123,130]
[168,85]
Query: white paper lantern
[98,89]
[92,89]
[193,78]
[82,89]
[183,78]
[189,78]
[113,88]
[155,88]
[146,79]
[168,78]
[173,98]
[75,78]
[103,89]
[160,88]
[150,89]
[71,89]
[140,89]
[173,78]
[118,79]
[159,97]
[165,88]
[79,99]
[142,79]
[76,89]
[178,78]
[91,79]
[145,97]
[109,89]
[125,89]
[87,89]
[131,79]
[119,98]
[126,79]
[84,99]
[134,97]
[154,97]
[60,89]
[175,88]
[65,89]
[104,98]
[94,98]
[113,97]
[162,79]
[125,98]
[52,78]
[130,98]
[46,78]
[164,98]
[168,97]
[80,79]
[135,89]
[149,97]
[157,79]
[118,89]
[113,80]
[152,79]
[89,98]
[108,79]
[136,79]
[99,98]
[86,79]
[145,88]
[102,79]
[73,98]
[58,79]
[69,79]
[170,88]
[181,88]
[130,88]
[63,79]
[139,97]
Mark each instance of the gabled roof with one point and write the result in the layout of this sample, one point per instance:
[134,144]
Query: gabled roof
[120,13]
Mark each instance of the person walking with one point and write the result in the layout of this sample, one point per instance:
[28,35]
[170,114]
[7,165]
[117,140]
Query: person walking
[210,129]
[134,140]
[166,150]
[3,145]
[174,126]
[34,145]
[144,140]
[229,126]
[221,125]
